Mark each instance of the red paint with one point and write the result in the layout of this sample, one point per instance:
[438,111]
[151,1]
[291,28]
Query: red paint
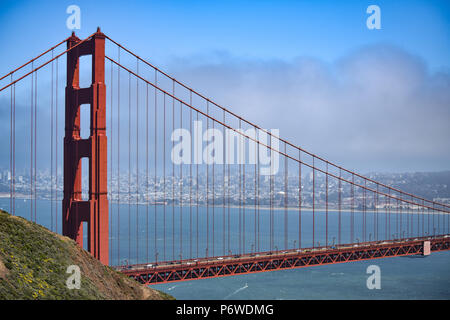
[212,267]
[95,210]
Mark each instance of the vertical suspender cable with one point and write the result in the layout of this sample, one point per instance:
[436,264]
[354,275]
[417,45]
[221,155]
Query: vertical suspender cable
[31,143]
[213,197]
[14,150]
[240,194]
[35,142]
[326,207]
[340,207]
[228,195]
[434,228]
[56,146]
[255,187]
[376,212]
[129,166]
[155,222]
[401,232]
[173,174]
[197,206]
[137,162]
[241,145]
[389,214]
[375,215]
[364,212]
[147,170]
[399,217]
[352,208]
[190,177]
[418,219]
[207,182]
[285,199]
[299,199]
[423,218]
[438,220]
[411,229]
[51,148]
[223,188]
[11,152]
[314,204]
[111,138]
[407,220]
[146,177]
[164,175]
[270,195]
[118,160]
[181,191]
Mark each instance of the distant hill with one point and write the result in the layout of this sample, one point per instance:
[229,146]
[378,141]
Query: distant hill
[430,185]
[34,261]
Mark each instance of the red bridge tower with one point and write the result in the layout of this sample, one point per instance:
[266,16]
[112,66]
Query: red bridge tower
[95,210]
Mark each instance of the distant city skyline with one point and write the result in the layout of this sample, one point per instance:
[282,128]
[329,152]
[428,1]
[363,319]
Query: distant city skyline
[177,190]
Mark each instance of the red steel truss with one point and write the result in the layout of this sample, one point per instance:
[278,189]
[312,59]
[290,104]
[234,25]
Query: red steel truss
[233,265]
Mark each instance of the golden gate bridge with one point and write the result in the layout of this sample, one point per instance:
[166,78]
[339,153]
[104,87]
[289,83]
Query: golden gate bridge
[209,214]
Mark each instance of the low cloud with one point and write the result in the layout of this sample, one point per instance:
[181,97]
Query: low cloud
[378,108]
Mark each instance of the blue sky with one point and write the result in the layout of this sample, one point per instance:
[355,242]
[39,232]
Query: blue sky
[261,29]
[371,100]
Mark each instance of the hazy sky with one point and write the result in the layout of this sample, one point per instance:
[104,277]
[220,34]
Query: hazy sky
[370,100]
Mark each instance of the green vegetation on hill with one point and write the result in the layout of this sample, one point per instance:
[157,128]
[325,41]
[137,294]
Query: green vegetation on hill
[34,261]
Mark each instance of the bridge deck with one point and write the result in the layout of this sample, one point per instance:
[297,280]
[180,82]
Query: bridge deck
[184,270]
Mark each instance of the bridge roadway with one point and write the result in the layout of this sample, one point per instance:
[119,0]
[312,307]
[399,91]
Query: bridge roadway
[211,267]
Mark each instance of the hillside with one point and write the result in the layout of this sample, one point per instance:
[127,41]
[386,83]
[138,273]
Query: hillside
[34,261]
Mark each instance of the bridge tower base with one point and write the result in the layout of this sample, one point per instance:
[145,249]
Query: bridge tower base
[94,211]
